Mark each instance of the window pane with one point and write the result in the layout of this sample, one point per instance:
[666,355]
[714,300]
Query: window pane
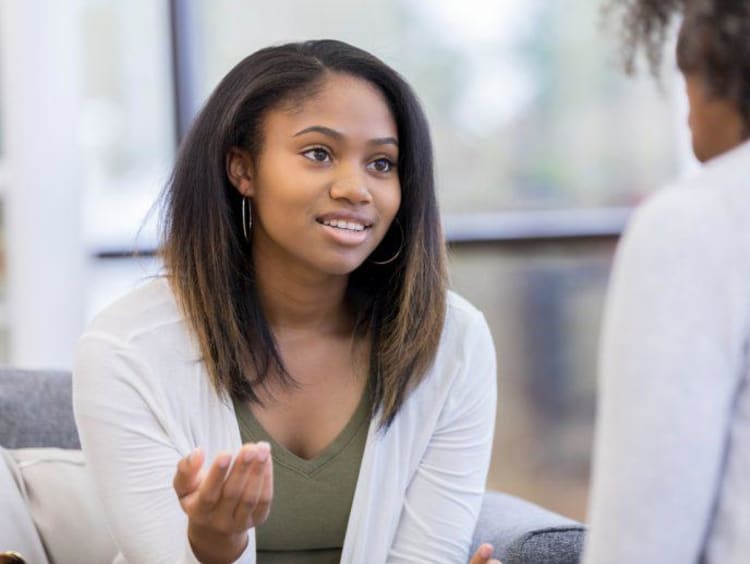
[543,303]
[127,132]
[527,105]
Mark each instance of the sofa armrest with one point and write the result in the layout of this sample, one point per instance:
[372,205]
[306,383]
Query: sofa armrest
[17,530]
[58,494]
[524,533]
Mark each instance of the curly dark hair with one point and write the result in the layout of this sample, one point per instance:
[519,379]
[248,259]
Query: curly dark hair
[714,41]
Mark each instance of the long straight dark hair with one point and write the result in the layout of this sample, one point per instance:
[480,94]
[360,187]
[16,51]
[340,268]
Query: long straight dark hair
[400,306]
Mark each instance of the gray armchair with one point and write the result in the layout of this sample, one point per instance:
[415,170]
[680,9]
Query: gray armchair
[49,513]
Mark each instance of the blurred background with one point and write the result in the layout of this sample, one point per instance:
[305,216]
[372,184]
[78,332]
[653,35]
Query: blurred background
[543,147]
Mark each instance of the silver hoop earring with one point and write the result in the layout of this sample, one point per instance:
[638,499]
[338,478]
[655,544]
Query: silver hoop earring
[398,252]
[247,218]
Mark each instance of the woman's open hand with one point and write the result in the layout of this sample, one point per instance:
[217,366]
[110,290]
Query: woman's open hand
[483,555]
[226,500]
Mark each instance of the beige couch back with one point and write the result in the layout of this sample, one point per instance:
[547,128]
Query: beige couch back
[48,510]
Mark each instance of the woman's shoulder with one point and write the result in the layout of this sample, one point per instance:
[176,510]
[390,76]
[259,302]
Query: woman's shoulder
[458,305]
[465,360]
[687,216]
[145,310]
[696,229]
[142,336]
[465,326]
[712,201]
[461,312]
[679,202]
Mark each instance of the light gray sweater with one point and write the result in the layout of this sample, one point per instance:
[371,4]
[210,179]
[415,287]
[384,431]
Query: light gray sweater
[671,480]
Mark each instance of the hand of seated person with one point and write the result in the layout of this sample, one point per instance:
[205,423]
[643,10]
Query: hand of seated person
[225,501]
[483,555]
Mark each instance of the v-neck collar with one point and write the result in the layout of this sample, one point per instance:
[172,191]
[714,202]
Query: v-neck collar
[251,428]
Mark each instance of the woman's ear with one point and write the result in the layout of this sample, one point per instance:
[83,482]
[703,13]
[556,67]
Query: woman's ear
[239,165]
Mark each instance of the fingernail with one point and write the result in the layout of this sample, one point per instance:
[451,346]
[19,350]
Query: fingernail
[192,455]
[487,551]
[248,454]
[264,449]
[224,460]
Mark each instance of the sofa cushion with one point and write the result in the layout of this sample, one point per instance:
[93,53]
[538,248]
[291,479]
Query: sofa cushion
[17,530]
[525,533]
[36,409]
[60,496]
[555,545]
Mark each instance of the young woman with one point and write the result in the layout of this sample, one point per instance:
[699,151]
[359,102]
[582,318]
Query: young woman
[301,364]
[671,480]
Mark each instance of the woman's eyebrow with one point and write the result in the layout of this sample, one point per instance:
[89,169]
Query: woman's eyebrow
[338,135]
[383,141]
[320,129]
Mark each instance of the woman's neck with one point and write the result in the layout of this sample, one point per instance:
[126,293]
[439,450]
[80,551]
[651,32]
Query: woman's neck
[298,299]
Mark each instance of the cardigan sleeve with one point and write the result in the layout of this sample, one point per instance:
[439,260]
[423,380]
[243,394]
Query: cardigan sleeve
[667,374]
[132,457]
[442,501]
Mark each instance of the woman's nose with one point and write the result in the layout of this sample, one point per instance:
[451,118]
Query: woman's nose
[352,187]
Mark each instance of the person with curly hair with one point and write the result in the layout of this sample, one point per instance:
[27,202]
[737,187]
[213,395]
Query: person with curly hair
[671,471]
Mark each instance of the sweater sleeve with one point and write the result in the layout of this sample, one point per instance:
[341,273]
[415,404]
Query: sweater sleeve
[130,453]
[442,501]
[667,375]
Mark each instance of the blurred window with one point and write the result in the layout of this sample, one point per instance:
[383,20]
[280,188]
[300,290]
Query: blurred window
[127,130]
[127,137]
[528,106]
[543,302]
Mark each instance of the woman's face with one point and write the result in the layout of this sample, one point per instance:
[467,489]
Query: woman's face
[715,122]
[324,188]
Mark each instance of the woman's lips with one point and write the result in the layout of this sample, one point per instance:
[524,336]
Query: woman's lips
[349,231]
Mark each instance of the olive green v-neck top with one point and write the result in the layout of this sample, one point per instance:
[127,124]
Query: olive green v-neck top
[312,498]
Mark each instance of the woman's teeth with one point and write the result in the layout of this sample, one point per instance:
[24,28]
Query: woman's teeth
[341,224]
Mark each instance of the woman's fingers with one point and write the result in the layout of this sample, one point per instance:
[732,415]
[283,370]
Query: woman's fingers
[483,555]
[255,502]
[234,487]
[209,491]
[227,497]
[234,484]
[186,479]
[263,506]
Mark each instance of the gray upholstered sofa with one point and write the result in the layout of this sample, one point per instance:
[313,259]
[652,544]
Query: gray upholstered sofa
[48,511]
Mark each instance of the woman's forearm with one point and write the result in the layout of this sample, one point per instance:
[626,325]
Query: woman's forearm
[212,547]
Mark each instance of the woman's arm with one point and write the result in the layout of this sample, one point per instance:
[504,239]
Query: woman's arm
[442,502]
[667,374]
[133,453]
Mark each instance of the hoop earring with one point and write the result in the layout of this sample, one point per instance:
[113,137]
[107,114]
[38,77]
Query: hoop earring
[398,252]
[247,218]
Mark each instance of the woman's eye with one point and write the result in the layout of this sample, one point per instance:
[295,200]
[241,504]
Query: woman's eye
[318,154]
[382,165]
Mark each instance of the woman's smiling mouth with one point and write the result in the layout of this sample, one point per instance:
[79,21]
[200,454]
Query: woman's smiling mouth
[345,228]
[343,224]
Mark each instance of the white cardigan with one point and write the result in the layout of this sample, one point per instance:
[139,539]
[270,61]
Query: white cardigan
[143,400]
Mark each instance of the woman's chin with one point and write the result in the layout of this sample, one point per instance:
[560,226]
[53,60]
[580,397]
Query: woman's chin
[343,268]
